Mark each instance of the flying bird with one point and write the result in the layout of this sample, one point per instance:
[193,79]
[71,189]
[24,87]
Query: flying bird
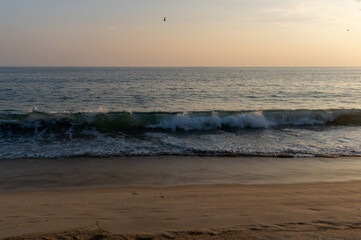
[164,19]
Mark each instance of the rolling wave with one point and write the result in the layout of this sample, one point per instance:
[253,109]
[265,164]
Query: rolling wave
[41,134]
[37,122]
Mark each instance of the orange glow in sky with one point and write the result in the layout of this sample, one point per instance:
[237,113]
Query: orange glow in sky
[196,33]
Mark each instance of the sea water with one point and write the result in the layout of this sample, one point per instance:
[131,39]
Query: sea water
[67,112]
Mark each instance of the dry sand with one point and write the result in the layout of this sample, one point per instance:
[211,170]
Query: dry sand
[292,211]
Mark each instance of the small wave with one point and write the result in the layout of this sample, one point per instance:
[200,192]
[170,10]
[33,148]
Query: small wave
[259,119]
[60,123]
[188,122]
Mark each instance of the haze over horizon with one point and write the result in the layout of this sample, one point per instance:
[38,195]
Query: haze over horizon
[221,33]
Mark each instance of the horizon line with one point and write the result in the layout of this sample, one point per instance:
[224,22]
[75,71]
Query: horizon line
[100,66]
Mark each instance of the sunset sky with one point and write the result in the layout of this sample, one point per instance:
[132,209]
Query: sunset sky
[197,33]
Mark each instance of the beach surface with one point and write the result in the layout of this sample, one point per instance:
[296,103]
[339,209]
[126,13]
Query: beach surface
[329,210]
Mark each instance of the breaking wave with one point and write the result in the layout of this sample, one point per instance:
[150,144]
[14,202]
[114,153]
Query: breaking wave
[40,134]
[37,122]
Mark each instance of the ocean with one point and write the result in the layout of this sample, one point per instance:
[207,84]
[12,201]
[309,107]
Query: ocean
[62,112]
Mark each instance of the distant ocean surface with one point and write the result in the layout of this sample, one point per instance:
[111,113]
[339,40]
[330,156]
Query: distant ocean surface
[68,112]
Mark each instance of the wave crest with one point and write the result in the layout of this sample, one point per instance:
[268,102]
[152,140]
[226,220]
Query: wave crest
[126,121]
[188,122]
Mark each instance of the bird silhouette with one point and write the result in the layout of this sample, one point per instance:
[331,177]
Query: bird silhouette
[164,19]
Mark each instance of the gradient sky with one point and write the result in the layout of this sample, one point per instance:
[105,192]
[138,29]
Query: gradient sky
[197,33]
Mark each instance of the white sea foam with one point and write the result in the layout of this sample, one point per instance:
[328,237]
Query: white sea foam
[252,120]
[257,119]
[123,134]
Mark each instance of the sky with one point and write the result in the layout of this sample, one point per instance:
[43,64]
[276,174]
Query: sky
[232,33]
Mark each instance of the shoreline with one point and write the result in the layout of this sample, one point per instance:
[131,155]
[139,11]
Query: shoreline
[181,198]
[196,212]
[169,171]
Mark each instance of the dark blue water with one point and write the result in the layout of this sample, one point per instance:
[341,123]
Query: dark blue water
[64,112]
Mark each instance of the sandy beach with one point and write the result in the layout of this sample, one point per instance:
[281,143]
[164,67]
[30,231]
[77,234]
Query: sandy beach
[158,120]
[231,211]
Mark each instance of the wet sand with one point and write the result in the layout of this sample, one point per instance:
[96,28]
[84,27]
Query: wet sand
[179,197]
[167,171]
[288,211]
